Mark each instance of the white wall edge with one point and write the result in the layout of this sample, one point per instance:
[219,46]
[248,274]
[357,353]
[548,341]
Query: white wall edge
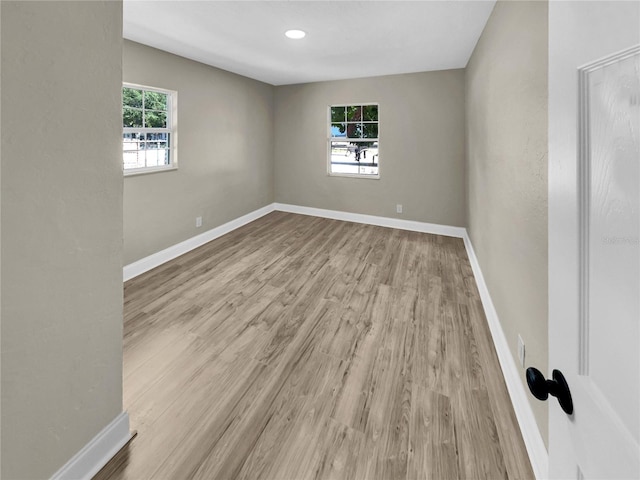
[400,224]
[533,441]
[155,260]
[95,454]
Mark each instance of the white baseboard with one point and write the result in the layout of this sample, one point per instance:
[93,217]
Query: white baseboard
[155,260]
[400,224]
[533,441]
[95,454]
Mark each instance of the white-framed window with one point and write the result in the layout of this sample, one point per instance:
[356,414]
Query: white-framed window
[353,140]
[148,129]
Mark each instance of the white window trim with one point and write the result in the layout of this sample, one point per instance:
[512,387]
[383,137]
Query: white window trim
[342,139]
[172,120]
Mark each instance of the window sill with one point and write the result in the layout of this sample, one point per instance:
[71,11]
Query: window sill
[354,175]
[146,171]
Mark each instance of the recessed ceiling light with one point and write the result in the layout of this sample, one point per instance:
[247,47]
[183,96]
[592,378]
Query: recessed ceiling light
[295,34]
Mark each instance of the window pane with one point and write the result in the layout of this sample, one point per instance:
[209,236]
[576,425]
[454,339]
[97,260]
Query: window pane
[129,138]
[131,97]
[370,113]
[338,130]
[155,119]
[360,158]
[370,130]
[155,101]
[154,137]
[142,108]
[133,157]
[355,148]
[156,157]
[155,145]
[131,117]
[369,146]
[354,113]
[337,114]
[339,150]
[354,130]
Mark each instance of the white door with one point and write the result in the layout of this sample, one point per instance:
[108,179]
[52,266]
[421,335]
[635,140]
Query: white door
[594,237]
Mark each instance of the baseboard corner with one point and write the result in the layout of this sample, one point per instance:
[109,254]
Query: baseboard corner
[95,454]
[156,259]
[400,224]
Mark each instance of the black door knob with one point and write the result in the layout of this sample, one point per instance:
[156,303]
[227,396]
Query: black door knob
[541,388]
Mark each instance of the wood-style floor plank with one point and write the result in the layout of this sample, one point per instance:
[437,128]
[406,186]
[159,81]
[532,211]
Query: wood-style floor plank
[299,347]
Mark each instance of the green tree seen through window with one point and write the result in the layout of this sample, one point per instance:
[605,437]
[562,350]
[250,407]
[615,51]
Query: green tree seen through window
[143,108]
[357,121]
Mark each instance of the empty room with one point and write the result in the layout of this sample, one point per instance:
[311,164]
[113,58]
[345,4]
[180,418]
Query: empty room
[290,240]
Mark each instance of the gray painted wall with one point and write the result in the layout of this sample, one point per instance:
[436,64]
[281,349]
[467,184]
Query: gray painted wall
[61,199]
[506,89]
[421,147]
[225,152]
[0,243]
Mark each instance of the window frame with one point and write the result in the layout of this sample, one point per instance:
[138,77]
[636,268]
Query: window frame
[170,130]
[331,139]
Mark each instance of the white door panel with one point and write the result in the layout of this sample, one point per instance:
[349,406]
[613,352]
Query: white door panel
[611,232]
[594,237]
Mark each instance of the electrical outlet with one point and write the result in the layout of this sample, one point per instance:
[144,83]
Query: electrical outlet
[198,222]
[399,208]
[521,350]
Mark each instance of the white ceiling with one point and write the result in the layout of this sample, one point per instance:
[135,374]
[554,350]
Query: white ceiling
[345,39]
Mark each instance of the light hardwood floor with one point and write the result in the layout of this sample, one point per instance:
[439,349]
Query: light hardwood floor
[305,348]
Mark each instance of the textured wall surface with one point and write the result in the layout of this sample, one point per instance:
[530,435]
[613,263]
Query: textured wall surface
[61,230]
[421,147]
[0,247]
[225,152]
[506,91]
